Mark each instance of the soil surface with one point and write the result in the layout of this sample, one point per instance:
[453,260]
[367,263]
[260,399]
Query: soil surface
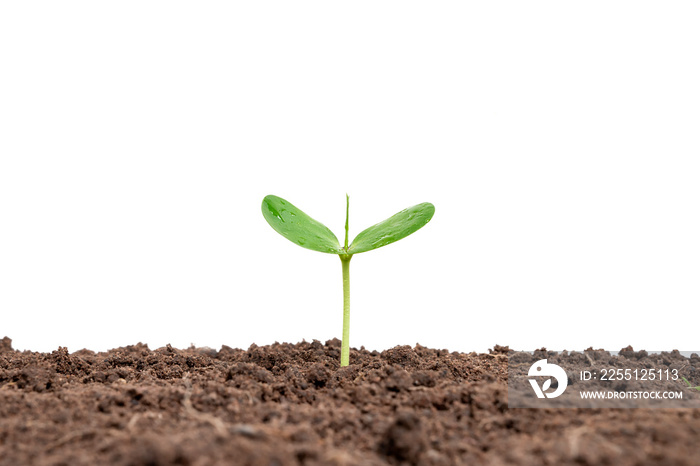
[287,404]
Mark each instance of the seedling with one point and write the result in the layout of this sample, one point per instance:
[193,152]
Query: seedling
[690,385]
[290,222]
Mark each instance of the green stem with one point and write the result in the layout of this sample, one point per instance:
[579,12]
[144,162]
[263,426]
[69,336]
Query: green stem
[347,218]
[345,345]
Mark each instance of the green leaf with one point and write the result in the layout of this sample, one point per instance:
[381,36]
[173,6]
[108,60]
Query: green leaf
[297,227]
[393,229]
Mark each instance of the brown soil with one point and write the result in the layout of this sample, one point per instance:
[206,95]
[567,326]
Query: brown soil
[292,404]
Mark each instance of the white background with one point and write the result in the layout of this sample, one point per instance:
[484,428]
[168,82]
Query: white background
[558,142]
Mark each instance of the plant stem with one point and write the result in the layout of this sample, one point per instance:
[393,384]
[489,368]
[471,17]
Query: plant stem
[345,260]
[347,218]
[345,345]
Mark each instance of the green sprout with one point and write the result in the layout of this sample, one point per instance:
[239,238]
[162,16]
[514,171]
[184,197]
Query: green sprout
[690,385]
[290,222]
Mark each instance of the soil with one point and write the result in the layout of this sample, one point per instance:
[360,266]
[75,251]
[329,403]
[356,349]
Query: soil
[291,404]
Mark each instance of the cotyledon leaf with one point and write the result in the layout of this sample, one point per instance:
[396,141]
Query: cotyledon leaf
[393,229]
[290,222]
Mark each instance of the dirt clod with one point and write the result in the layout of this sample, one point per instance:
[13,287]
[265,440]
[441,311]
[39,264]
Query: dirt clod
[5,345]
